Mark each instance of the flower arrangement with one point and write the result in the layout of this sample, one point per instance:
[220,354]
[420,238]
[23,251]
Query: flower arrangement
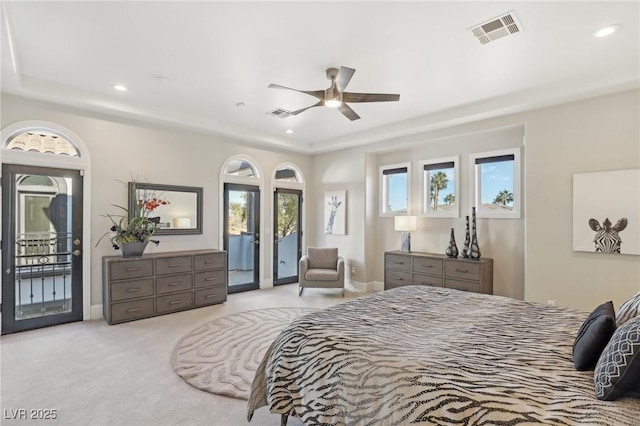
[140,226]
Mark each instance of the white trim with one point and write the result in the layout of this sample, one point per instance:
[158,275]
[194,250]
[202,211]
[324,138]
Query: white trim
[82,163]
[475,180]
[425,211]
[96,312]
[383,193]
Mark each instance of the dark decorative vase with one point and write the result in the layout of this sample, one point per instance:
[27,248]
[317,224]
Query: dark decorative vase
[467,239]
[133,249]
[452,250]
[473,252]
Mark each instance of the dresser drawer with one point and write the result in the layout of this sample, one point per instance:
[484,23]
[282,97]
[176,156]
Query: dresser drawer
[398,261]
[174,283]
[206,279]
[465,270]
[462,285]
[427,266]
[131,289]
[173,265]
[419,279]
[202,262]
[397,278]
[209,296]
[131,269]
[174,302]
[135,309]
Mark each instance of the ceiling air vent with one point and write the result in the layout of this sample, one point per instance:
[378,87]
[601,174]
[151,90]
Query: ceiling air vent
[496,28]
[280,113]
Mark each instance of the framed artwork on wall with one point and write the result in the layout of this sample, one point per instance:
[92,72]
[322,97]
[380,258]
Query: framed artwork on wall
[335,206]
[606,212]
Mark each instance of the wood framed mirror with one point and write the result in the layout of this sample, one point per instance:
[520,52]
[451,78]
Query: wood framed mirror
[180,216]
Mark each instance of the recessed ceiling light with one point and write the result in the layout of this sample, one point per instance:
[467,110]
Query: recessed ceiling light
[120,88]
[240,104]
[606,31]
[288,131]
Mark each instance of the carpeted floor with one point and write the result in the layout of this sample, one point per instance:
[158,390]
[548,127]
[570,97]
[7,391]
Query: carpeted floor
[221,356]
[95,374]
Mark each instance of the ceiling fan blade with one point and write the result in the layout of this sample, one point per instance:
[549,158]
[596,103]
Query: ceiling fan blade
[343,78]
[321,103]
[348,112]
[369,97]
[316,93]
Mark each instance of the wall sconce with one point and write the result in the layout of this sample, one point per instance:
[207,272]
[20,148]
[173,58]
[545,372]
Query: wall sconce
[405,224]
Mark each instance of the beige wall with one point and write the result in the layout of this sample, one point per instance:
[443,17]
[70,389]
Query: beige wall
[533,255]
[120,149]
[594,135]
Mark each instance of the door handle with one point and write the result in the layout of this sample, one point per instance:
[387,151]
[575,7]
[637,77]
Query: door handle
[76,252]
[256,242]
[77,242]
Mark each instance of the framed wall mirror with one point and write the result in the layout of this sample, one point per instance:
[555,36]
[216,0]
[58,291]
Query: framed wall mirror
[182,212]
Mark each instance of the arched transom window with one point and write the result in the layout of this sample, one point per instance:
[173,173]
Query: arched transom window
[43,142]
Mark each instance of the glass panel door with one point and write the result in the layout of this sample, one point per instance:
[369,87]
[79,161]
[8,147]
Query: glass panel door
[242,236]
[42,257]
[287,233]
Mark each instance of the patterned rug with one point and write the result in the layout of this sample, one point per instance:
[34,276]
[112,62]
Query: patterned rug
[221,356]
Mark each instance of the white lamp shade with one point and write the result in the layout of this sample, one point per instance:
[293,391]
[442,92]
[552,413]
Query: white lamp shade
[405,223]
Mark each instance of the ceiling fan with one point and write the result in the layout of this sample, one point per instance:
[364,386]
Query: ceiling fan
[336,97]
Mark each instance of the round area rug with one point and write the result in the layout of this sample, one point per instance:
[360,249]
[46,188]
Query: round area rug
[222,356]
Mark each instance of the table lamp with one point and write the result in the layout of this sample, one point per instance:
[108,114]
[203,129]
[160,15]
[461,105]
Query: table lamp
[405,224]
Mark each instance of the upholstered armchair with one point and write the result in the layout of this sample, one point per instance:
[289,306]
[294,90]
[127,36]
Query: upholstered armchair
[321,268]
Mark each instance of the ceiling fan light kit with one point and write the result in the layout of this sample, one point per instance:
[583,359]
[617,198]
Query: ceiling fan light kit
[335,96]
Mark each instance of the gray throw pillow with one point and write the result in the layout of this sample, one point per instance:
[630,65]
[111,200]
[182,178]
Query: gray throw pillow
[628,310]
[593,336]
[618,370]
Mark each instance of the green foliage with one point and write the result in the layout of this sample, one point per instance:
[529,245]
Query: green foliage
[439,180]
[504,197]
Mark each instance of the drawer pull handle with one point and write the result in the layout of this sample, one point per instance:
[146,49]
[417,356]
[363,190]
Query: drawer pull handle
[174,284]
[211,279]
[129,311]
[175,302]
[133,290]
[209,296]
[464,271]
[132,269]
[209,261]
[175,265]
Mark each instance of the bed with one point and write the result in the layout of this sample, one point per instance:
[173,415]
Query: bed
[437,356]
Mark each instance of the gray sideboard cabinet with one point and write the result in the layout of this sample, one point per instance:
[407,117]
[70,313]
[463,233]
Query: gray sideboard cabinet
[416,268]
[161,283]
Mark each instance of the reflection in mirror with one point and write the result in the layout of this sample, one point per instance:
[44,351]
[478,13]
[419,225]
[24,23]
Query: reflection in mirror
[181,215]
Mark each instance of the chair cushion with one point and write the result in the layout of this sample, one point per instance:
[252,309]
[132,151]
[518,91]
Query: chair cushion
[321,275]
[322,258]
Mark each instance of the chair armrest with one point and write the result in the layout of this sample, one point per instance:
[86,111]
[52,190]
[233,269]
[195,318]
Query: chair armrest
[341,268]
[303,266]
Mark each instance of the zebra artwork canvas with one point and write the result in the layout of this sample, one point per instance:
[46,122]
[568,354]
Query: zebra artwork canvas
[607,239]
[606,212]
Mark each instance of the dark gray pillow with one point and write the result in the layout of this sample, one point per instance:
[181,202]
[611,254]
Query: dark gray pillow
[593,336]
[618,369]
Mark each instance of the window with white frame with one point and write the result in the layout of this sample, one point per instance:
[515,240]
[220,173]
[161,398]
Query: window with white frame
[440,187]
[394,185]
[496,183]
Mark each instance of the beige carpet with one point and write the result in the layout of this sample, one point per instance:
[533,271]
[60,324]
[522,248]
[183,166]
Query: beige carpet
[221,356]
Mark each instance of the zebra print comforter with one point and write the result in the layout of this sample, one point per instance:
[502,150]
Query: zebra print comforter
[433,356]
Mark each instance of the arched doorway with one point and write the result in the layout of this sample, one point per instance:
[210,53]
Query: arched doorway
[288,184]
[242,182]
[44,272]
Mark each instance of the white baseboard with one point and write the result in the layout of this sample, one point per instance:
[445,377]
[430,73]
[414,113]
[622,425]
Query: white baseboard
[96,312]
[370,287]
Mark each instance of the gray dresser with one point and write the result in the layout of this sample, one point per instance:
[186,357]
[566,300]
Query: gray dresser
[161,283]
[416,268]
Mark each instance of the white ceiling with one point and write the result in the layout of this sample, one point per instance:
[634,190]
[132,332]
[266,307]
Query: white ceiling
[217,54]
